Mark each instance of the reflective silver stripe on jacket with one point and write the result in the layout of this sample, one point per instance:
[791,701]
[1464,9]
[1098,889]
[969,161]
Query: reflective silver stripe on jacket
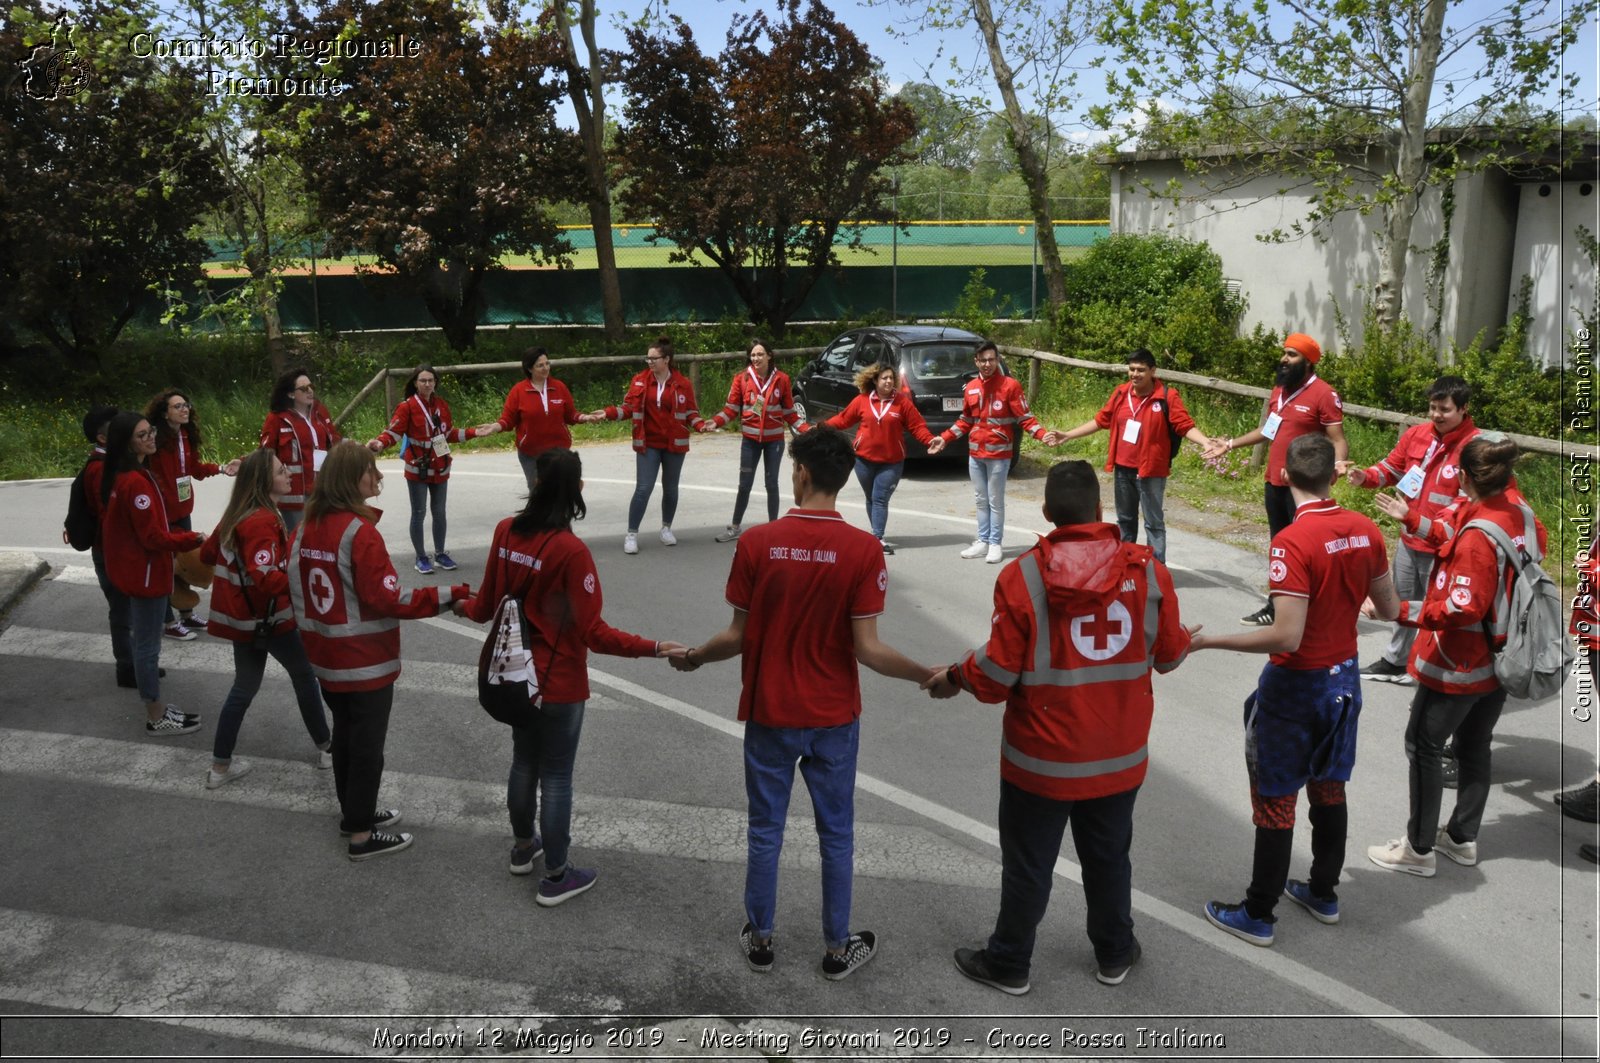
[1440,500]
[356,625]
[1477,675]
[356,675]
[1061,769]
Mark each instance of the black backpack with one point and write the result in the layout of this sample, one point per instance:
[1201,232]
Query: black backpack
[80,529]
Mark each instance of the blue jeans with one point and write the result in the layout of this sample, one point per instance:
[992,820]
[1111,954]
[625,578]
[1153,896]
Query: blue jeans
[751,453]
[1031,829]
[530,469]
[645,465]
[249,663]
[1132,491]
[541,764]
[989,494]
[173,613]
[146,618]
[116,615]
[827,759]
[878,481]
[431,497]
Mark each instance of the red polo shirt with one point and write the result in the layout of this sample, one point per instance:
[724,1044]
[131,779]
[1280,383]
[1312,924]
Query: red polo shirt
[1329,555]
[1310,408]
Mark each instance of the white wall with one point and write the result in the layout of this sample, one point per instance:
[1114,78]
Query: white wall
[1547,251]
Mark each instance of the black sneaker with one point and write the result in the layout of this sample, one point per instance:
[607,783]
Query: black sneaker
[974,963]
[1582,803]
[1114,973]
[1383,671]
[858,949]
[1260,618]
[759,957]
[522,859]
[379,844]
[384,817]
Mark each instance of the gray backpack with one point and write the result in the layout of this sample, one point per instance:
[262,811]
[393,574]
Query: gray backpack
[1537,655]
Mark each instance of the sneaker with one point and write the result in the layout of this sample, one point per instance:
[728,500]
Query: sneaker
[444,561]
[759,957]
[172,723]
[729,534]
[383,817]
[1399,856]
[324,759]
[996,555]
[667,538]
[978,549]
[1321,909]
[630,543]
[522,858]
[1382,671]
[235,770]
[1260,618]
[1113,974]
[424,566]
[573,881]
[974,963]
[126,678]
[1582,804]
[194,621]
[379,844]
[1233,919]
[1463,853]
[858,949]
[888,548]
[1449,769]
[176,630]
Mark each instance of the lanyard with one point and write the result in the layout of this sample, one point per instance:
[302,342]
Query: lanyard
[661,388]
[183,460]
[872,401]
[1133,411]
[1282,400]
[428,420]
[312,427]
[763,390]
[543,393]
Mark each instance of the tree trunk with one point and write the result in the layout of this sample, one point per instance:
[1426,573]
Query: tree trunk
[586,89]
[1409,145]
[1028,161]
[453,294]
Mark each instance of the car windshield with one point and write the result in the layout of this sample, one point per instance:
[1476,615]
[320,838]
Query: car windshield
[940,361]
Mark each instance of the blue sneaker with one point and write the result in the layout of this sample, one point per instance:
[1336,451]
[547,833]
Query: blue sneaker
[1323,911]
[443,560]
[573,881]
[522,858]
[424,566]
[1233,919]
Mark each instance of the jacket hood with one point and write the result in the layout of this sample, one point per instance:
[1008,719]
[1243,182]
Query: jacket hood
[1083,563]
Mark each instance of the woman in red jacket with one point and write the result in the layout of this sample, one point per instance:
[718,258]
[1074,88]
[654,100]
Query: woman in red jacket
[661,404]
[763,402]
[535,557]
[300,432]
[348,603]
[177,465]
[250,608]
[540,408]
[139,542]
[1452,661]
[885,412]
[423,420]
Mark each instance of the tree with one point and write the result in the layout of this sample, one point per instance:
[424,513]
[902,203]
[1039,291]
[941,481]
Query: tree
[947,133]
[1371,103]
[106,173]
[759,158]
[437,162]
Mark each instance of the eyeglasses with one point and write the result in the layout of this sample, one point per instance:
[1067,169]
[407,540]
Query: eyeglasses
[146,434]
[988,361]
[305,387]
[178,406]
[654,358]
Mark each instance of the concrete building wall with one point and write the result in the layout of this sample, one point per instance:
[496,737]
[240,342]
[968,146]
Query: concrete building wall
[1547,251]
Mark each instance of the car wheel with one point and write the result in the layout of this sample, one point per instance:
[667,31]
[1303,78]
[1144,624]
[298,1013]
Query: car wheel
[800,408]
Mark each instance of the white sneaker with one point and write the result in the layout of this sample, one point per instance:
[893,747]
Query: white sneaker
[977,549]
[1463,853]
[996,555]
[630,543]
[729,534]
[1399,856]
[236,769]
[667,538]
[324,759]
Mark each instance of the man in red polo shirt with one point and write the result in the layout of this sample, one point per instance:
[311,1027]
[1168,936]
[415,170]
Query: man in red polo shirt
[1144,416]
[1300,722]
[806,592]
[1301,403]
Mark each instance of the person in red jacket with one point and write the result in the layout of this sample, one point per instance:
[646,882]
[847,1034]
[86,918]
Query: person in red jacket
[885,412]
[661,404]
[348,604]
[1465,610]
[1301,720]
[139,543]
[177,464]
[1139,414]
[300,432]
[762,401]
[423,421]
[540,409]
[535,557]
[249,552]
[94,430]
[1301,403]
[1079,621]
[995,411]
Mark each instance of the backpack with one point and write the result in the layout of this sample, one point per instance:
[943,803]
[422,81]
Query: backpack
[1536,655]
[1174,440]
[508,683]
[80,529]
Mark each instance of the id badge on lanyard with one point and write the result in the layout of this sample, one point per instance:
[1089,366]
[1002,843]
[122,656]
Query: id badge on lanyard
[1270,429]
[1130,430]
[1410,484]
[185,488]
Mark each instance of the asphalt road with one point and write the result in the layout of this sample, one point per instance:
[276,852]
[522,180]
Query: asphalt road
[141,914]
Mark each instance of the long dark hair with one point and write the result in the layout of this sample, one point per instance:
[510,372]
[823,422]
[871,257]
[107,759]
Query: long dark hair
[282,396]
[120,455]
[156,413]
[557,498]
[411,381]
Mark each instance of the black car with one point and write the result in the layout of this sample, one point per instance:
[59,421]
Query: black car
[934,362]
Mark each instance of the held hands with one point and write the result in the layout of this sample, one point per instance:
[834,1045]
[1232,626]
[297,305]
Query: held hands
[375,445]
[1369,610]
[683,661]
[1054,438]
[938,684]
[1197,641]
[590,418]
[232,468]
[459,607]
[937,445]
[673,651]
[486,430]
[1215,449]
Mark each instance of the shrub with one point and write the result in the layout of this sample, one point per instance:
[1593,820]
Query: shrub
[976,309]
